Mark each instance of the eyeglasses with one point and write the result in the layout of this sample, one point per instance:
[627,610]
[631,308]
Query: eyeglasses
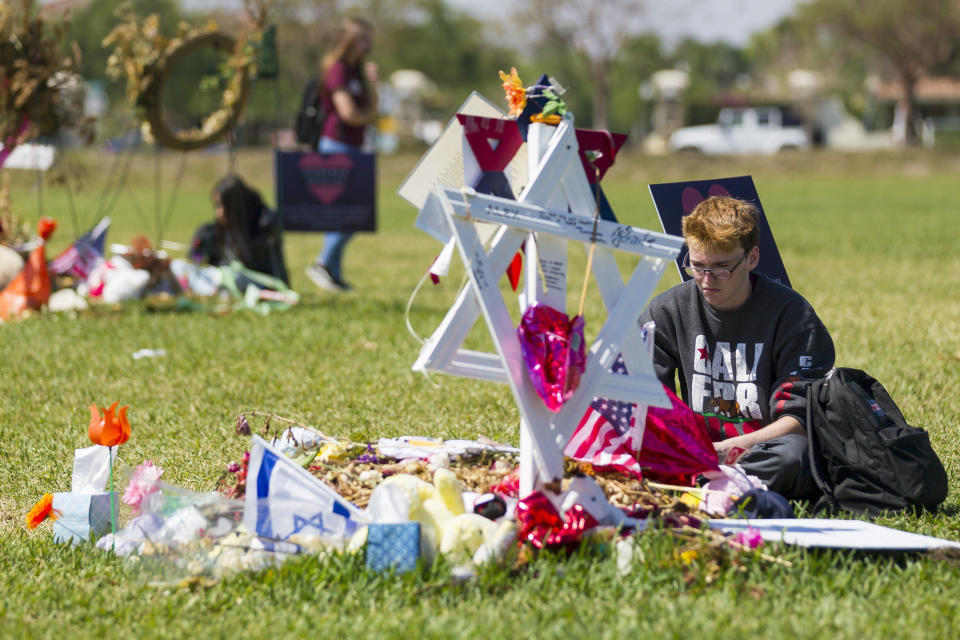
[720,273]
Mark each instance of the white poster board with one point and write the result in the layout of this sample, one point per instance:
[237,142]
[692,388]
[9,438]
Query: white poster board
[834,534]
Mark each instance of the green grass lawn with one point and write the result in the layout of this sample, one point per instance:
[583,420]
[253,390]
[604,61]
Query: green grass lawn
[870,240]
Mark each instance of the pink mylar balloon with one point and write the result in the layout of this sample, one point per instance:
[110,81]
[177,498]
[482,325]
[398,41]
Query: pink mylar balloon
[554,351]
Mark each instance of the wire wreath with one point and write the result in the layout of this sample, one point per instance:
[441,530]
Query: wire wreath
[148,59]
[232,101]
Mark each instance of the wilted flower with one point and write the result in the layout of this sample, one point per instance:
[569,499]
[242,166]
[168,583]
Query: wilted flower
[370,477]
[332,451]
[370,455]
[239,471]
[243,427]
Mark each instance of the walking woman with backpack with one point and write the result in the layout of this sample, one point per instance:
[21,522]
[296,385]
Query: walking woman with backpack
[350,102]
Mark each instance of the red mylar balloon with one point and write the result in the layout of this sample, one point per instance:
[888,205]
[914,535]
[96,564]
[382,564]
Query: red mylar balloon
[541,525]
[536,519]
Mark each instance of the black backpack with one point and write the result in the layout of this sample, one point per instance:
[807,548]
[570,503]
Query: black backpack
[864,456]
[311,116]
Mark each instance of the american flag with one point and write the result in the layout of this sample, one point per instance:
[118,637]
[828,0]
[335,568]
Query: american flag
[82,255]
[604,435]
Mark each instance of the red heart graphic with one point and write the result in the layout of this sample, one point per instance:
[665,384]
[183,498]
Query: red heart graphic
[690,197]
[326,174]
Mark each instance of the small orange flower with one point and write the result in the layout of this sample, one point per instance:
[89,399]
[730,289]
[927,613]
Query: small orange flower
[516,93]
[109,430]
[40,511]
[46,227]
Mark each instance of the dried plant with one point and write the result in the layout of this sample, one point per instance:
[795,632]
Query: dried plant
[13,230]
[32,73]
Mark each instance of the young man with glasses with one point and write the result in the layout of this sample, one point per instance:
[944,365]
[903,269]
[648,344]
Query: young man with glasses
[737,340]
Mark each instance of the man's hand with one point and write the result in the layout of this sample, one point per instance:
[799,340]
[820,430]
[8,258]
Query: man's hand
[731,449]
[728,453]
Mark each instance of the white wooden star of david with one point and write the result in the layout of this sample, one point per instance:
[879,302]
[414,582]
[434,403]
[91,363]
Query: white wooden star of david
[557,179]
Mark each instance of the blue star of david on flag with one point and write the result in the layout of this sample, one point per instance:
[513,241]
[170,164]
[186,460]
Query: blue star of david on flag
[284,499]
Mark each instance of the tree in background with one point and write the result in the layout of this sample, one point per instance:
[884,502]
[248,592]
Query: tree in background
[586,38]
[456,51]
[908,38]
[718,73]
[450,47]
[303,31]
[640,58]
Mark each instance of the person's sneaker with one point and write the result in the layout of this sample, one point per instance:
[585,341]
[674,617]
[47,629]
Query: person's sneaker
[319,275]
[343,284]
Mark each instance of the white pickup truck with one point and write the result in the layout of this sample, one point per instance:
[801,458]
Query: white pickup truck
[758,130]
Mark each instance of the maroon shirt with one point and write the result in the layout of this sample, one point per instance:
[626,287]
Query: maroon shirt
[342,77]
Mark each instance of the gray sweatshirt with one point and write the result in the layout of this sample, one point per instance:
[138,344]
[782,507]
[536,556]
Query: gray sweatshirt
[738,365]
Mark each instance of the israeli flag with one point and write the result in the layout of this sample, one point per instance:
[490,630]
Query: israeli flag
[284,499]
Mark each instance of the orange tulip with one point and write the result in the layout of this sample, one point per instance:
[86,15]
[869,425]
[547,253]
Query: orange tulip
[109,430]
[41,510]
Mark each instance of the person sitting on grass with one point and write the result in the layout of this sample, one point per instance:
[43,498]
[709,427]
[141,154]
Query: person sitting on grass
[244,229]
[736,340]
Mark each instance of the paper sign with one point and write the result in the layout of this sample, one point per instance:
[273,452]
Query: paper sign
[835,534]
[28,155]
[442,164]
[326,192]
[673,200]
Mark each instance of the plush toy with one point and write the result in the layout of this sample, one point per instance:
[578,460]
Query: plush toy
[445,526]
[449,489]
[464,534]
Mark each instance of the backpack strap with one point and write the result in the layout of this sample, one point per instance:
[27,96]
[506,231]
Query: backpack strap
[817,395]
[320,114]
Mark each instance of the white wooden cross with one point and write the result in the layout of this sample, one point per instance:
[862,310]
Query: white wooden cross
[556,207]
